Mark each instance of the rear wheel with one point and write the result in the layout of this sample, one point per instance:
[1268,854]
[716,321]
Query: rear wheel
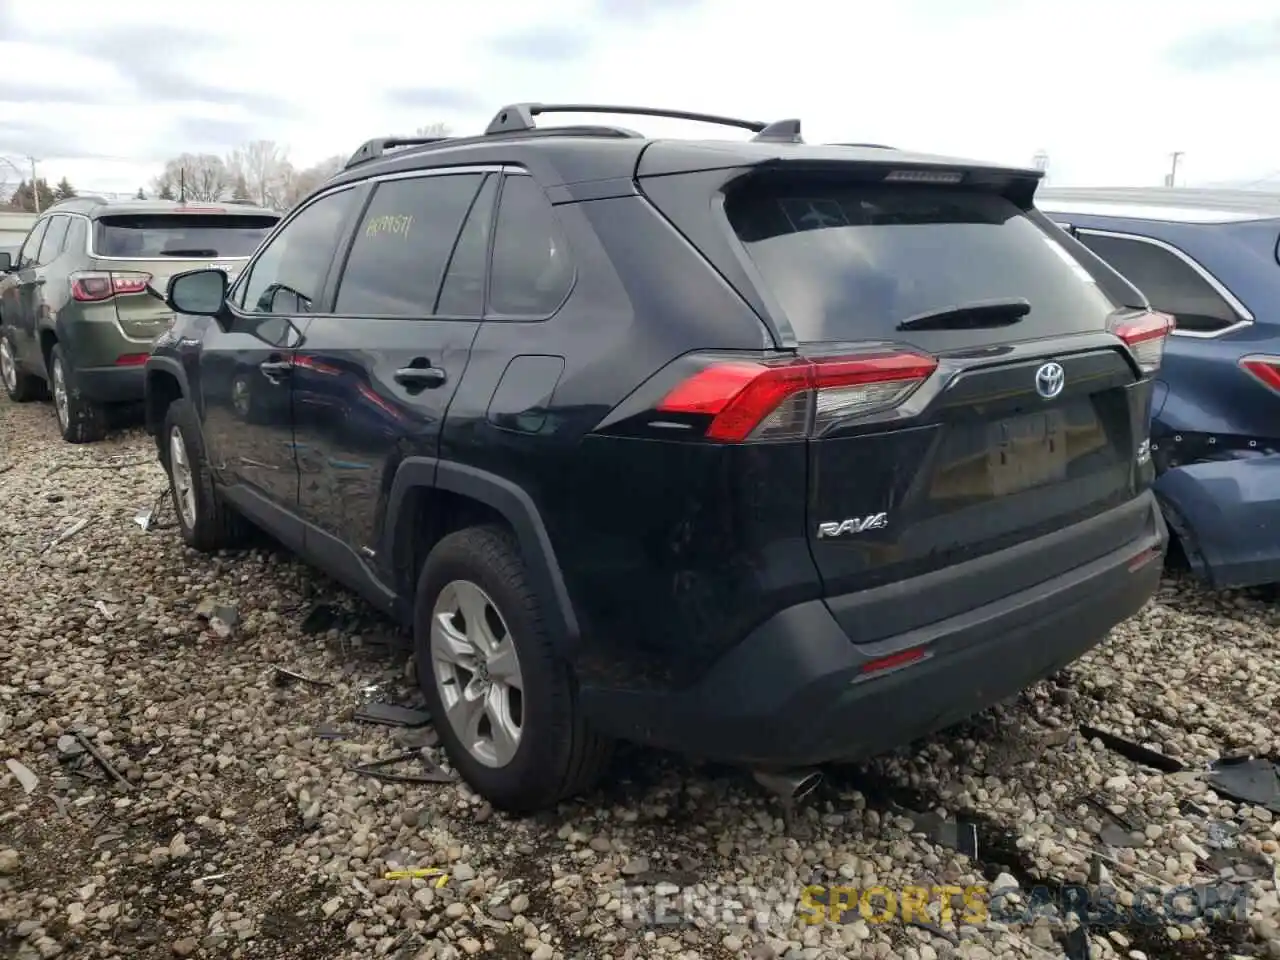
[79,418]
[504,703]
[19,386]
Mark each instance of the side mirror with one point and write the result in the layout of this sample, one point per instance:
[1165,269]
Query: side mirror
[6,262]
[201,293]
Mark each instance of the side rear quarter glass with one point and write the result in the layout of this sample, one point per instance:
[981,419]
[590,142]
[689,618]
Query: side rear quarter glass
[1171,284]
[30,246]
[531,272]
[403,244]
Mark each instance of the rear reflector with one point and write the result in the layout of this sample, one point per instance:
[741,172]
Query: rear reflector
[1142,559]
[131,359]
[90,287]
[795,398]
[1264,369]
[893,661]
[1145,335]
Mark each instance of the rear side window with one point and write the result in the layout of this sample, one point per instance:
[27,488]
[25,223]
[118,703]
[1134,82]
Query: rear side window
[1171,284]
[152,236]
[531,273]
[53,240]
[30,246]
[852,261]
[403,245]
[462,294]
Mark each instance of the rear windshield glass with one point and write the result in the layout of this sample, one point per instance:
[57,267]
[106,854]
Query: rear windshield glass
[152,236]
[851,261]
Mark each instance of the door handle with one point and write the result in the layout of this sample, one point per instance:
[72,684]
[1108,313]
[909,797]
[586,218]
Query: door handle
[420,376]
[273,369]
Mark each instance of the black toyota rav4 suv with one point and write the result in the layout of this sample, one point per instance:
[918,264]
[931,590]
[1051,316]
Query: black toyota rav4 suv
[771,453]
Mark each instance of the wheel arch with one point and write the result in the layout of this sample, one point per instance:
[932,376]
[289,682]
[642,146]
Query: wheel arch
[430,498]
[166,382]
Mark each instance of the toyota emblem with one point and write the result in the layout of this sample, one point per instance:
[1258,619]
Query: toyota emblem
[1049,380]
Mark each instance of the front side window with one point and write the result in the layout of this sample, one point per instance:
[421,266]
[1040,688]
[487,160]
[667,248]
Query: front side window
[289,275]
[27,255]
[403,246]
[1171,284]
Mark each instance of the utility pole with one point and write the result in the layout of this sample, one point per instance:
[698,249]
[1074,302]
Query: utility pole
[35,188]
[182,184]
[1172,179]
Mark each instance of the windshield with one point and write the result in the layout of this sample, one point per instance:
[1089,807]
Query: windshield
[154,236]
[852,261]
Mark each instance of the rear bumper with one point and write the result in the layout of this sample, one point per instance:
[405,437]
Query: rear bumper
[795,693]
[1227,515]
[112,384]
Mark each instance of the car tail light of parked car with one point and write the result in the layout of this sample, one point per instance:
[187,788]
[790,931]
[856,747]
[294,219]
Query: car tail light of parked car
[92,287]
[1264,369]
[1146,336]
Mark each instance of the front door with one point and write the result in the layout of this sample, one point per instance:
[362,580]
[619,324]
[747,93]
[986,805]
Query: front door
[374,380]
[246,365]
[17,307]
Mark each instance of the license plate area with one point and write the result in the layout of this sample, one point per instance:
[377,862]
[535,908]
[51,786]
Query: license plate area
[1027,451]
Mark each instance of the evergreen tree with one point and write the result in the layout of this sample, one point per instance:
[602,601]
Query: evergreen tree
[140,195]
[64,190]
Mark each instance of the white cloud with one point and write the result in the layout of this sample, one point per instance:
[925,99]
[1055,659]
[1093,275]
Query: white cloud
[1109,89]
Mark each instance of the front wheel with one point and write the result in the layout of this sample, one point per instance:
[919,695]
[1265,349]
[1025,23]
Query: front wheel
[205,522]
[503,702]
[19,386]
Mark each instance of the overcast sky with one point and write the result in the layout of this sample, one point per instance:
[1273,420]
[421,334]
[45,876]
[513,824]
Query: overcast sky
[102,91]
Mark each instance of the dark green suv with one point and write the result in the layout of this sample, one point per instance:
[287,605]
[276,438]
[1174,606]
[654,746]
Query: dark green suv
[83,300]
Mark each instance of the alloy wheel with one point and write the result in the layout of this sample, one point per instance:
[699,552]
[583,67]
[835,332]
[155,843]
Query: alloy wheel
[8,367]
[60,393]
[184,492]
[477,673]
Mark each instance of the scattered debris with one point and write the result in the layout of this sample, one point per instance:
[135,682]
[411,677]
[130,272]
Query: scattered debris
[377,769]
[1247,779]
[224,620]
[70,532]
[25,777]
[392,715]
[933,928]
[959,834]
[204,609]
[102,761]
[69,747]
[419,874]
[284,677]
[148,517]
[1133,751]
[327,731]
[103,609]
[319,619]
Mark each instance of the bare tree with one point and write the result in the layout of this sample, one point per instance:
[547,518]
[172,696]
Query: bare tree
[434,130]
[308,180]
[267,173]
[201,177]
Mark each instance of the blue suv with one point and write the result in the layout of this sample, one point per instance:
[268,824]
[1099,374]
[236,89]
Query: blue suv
[1211,259]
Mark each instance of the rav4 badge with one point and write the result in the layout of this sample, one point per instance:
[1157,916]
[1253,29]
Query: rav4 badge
[839,528]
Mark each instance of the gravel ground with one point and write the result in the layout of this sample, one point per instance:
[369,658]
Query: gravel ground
[243,833]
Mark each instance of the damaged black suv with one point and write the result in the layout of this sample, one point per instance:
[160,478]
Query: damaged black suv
[767,452]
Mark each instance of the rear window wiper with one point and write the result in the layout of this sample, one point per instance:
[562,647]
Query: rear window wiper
[195,252]
[970,316]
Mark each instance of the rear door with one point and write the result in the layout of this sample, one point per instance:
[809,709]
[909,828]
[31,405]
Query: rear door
[374,380]
[978,429]
[142,251]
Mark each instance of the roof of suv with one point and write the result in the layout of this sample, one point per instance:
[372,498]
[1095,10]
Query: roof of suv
[1172,204]
[576,154]
[92,207]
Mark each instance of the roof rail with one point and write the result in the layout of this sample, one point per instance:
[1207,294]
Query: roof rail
[869,146]
[518,117]
[372,149]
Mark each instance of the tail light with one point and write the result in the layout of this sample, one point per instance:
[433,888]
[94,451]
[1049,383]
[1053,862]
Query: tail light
[763,400]
[1264,369]
[92,287]
[132,359]
[1145,334]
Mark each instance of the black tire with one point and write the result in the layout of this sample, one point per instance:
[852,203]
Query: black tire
[19,386]
[83,420]
[216,525]
[558,755]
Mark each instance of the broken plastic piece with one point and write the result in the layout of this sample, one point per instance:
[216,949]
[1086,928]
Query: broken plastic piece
[67,534]
[418,874]
[377,769]
[1248,780]
[283,678]
[1133,751]
[392,715]
[25,777]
